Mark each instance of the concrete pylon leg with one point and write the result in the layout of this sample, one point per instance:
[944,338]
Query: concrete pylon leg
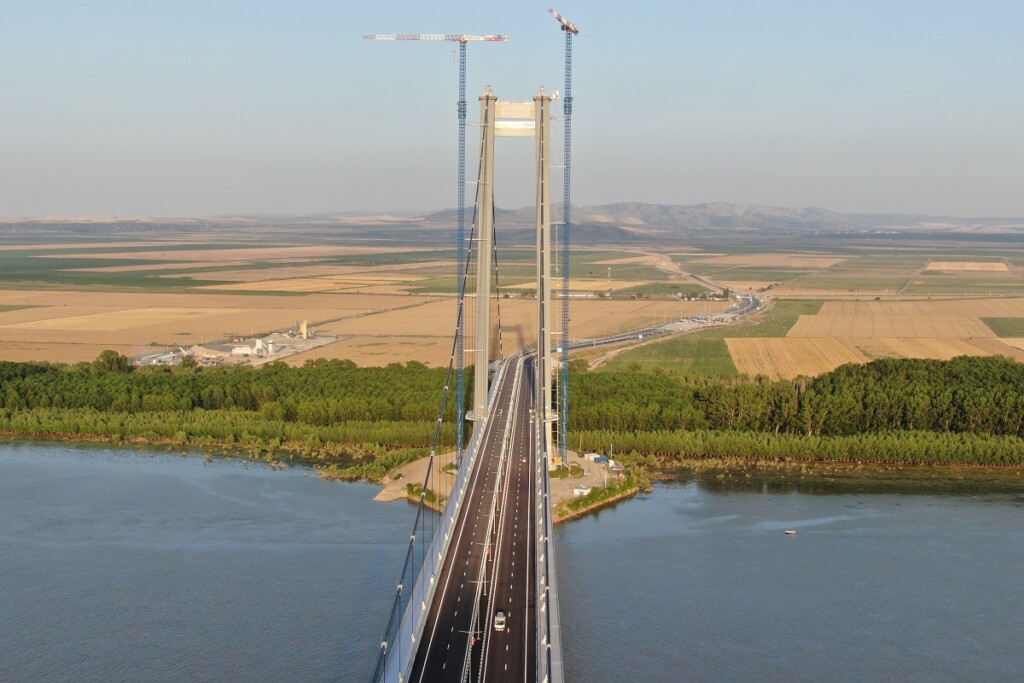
[485,228]
[542,117]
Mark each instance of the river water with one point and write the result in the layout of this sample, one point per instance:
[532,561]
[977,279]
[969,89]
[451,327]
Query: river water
[119,565]
[700,583]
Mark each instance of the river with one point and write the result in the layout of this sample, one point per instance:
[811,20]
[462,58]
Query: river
[699,582]
[125,565]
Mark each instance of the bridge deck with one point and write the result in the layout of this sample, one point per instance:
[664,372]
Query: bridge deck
[495,523]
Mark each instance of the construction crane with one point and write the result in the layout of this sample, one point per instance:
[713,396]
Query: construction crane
[570,30]
[463,40]
[566,24]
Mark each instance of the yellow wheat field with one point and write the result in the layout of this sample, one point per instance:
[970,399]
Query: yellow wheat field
[1015,342]
[367,351]
[74,326]
[968,266]
[889,326]
[65,352]
[787,358]
[942,319]
[108,321]
[934,347]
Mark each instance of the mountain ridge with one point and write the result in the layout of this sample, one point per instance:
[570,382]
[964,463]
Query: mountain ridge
[726,215]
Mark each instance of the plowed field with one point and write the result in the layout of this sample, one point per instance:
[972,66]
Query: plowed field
[942,319]
[788,358]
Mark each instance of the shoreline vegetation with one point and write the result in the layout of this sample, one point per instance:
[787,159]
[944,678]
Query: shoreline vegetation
[363,423]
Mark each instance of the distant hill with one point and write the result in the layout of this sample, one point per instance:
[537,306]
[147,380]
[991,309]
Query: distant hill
[634,222]
[673,217]
[758,217]
[623,223]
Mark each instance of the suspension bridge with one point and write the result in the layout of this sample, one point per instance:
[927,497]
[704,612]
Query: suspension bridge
[476,598]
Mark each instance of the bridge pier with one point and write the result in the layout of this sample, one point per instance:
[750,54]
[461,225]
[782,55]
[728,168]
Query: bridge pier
[545,359]
[484,250]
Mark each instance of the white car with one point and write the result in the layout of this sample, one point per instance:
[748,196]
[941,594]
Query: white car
[499,621]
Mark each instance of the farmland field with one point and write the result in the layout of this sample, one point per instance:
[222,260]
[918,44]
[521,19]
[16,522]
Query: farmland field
[708,351]
[933,347]
[798,261]
[690,354]
[949,284]
[960,266]
[846,319]
[1006,327]
[69,296]
[786,358]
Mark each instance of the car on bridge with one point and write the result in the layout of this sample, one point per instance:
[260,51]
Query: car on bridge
[499,620]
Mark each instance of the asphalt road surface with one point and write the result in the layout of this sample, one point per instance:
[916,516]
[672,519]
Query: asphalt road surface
[492,539]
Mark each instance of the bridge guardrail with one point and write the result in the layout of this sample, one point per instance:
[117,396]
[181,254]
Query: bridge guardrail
[549,639]
[394,660]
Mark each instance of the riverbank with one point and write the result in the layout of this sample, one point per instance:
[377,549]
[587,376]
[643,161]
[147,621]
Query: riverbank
[395,471]
[800,476]
[736,474]
[565,512]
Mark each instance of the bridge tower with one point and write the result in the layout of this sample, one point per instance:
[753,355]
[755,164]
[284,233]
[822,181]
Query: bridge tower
[500,118]
[545,355]
[484,251]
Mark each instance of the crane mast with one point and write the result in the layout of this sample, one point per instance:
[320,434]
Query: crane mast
[570,30]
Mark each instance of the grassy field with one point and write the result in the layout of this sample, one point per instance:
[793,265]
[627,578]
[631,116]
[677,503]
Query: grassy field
[755,274]
[672,289]
[688,354]
[775,322]
[997,284]
[1006,327]
[848,282]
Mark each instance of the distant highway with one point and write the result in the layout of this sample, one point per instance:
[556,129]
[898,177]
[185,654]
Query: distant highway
[745,305]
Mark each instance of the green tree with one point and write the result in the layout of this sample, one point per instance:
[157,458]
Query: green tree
[111,361]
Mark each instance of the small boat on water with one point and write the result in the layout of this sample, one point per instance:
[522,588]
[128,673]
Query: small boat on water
[790,532]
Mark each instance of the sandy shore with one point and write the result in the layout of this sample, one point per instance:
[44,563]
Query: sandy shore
[594,476]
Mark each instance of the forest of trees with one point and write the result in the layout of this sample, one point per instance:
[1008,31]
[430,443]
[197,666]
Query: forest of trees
[966,410]
[322,392]
[330,412]
[979,395]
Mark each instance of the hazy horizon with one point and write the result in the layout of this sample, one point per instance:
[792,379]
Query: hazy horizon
[416,213]
[196,109]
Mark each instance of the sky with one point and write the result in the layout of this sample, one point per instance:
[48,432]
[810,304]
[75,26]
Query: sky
[192,108]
